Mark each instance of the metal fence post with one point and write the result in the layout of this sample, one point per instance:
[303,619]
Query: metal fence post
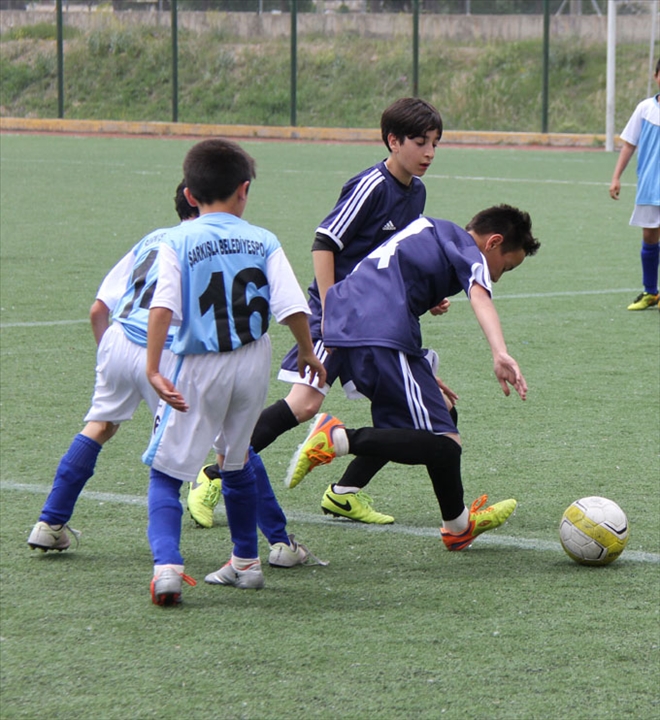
[294,58]
[415,48]
[546,63]
[175,62]
[60,61]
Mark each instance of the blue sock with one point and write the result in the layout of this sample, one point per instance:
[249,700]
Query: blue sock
[75,469]
[650,257]
[270,516]
[239,490]
[165,512]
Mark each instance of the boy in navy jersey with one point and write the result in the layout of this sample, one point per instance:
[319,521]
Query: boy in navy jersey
[121,383]
[372,206]
[382,351]
[219,280]
[643,131]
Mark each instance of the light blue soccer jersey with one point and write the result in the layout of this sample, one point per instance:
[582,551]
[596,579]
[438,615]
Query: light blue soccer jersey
[643,131]
[225,293]
[132,310]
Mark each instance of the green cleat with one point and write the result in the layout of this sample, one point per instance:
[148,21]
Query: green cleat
[204,495]
[480,521]
[355,506]
[317,449]
[644,300]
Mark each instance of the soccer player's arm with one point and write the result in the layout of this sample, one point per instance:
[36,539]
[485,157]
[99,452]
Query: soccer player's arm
[99,317]
[627,151]
[109,293]
[323,261]
[307,360]
[166,298]
[505,367]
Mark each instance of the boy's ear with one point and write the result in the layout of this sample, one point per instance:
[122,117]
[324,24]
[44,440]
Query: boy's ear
[242,190]
[191,200]
[494,241]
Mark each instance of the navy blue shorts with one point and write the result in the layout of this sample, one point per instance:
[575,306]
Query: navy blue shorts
[402,388]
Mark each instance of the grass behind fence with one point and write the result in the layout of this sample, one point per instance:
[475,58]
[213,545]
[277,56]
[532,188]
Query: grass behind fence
[395,626]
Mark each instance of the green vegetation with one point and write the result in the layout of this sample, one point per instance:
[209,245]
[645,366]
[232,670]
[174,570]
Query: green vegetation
[124,73]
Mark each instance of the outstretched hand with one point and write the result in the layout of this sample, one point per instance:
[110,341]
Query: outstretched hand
[167,392]
[508,373]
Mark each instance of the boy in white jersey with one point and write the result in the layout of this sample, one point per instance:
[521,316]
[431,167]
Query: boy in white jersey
[643,131]
[371,207]
[121,383]
[220,279]
[424,263]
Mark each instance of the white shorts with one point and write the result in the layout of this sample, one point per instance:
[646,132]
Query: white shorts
[646,216]
[121,380]
[226,393]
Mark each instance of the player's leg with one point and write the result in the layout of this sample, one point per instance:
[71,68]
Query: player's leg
[245,372]
[299,406]
[115,399]
[361,470]
[181,441]
[650,257]
[164,534]
[648,218]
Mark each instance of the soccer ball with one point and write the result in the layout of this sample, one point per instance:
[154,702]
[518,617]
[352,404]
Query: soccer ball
[593,531]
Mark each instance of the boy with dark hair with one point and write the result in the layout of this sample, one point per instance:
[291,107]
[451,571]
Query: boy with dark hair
[372,206]
[382,351]
[120,385]
[643,131]
[220,279]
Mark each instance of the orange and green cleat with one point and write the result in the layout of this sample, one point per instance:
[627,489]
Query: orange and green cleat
[317,449]
[480,521]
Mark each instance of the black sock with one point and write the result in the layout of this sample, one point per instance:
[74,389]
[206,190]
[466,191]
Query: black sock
[361,470]
[274,420]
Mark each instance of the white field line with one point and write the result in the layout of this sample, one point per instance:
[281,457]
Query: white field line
[459,298]
[496,539]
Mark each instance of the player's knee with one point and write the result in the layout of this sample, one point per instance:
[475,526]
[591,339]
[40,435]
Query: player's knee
[100,431]
[305,405]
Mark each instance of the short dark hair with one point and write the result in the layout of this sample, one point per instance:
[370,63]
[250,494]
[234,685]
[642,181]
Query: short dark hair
[184,209]
[409,117]
[514,225]
[214,168]
[657,67]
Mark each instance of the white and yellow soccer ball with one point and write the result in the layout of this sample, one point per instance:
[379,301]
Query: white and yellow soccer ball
[594,531]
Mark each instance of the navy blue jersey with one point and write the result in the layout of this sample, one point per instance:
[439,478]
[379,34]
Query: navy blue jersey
[381,301]
[372,206]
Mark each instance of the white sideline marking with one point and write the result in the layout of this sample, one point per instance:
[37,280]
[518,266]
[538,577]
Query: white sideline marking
[459,298]
[309,518]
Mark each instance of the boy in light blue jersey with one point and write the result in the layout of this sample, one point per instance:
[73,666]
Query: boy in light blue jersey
[219,280]
[642,132]
[121,383]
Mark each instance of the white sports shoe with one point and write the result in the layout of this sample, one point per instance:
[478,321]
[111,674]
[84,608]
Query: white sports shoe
[249,579]
[167,583]
[47,537]
[285,555]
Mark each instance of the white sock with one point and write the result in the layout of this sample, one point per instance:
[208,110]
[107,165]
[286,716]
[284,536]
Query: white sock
[158,568]
[340,441]
[344,489]
[244,563]
[459,524]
